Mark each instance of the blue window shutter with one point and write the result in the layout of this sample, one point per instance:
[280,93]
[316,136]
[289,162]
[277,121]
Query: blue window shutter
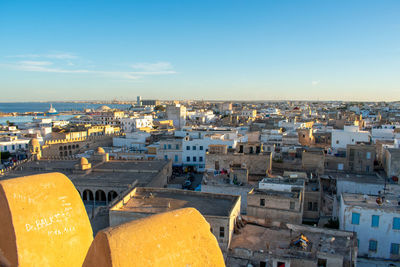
[375,221]
[373,245]
[394,249]
[355,218]
[396,223]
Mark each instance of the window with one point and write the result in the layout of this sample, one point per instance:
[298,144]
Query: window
[201,159]
[165,157]
[201,148]
[340,166]
[337,142]
[187,147]
[194,159]
[355,218]
[368,155]
[373,245]
[309,205]
[375,221]
[396,223]
[176,158]
[26,145]
[5,148]
[165,146]
[221,232]
[394,249]
[262,202]
[291,205]
[19,146]
[13,147]
[177,146]
[169,146]
[194,147]
[188,159]
[315,207]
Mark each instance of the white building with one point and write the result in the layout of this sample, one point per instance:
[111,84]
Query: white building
[134,123]
[194,149]
[376,222]
[133,141]
[291,124]
[251,113]
[177,114]
[12,144]
[383,132]
[350,135]
[201,116]
[272,138]
[171,148]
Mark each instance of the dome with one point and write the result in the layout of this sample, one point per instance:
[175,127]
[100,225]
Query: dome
[100,150]
[34,142]
[104,108]
[84,161]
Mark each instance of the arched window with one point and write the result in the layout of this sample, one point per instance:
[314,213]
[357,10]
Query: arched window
[60,147]
[100,196]
[87,195]
[111,195]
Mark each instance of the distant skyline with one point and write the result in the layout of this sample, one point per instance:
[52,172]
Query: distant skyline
[219,50]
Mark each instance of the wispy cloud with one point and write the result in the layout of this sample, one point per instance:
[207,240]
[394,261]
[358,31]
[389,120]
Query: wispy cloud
[52,56]
[314,83]
[144,69]
[43,66]
[153,67]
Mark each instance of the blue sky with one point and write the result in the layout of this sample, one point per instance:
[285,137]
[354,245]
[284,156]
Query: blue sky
[247,50]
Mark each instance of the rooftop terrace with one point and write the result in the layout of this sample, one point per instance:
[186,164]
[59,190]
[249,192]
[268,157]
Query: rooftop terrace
[157,200]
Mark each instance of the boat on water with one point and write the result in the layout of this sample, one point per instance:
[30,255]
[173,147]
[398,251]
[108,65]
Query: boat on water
[51,111]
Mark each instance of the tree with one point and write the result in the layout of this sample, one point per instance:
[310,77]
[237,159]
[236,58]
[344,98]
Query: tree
[10,123]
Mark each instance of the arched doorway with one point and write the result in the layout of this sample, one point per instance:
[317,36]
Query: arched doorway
[100,197]
[87,196]
[111,196]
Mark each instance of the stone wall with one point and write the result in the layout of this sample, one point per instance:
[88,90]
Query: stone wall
[55,149]
[275,208]
[257,164]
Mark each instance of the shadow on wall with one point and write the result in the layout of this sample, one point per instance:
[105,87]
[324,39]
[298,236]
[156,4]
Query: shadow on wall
[44,223]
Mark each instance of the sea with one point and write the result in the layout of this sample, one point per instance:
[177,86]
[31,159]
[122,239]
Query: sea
[21,107]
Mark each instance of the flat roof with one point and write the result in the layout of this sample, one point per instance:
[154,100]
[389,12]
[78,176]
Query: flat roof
[285,194]
[112,173]
[389,203]
[358,178]
[155,165]
[157,200]
[288,181]
[278,240]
